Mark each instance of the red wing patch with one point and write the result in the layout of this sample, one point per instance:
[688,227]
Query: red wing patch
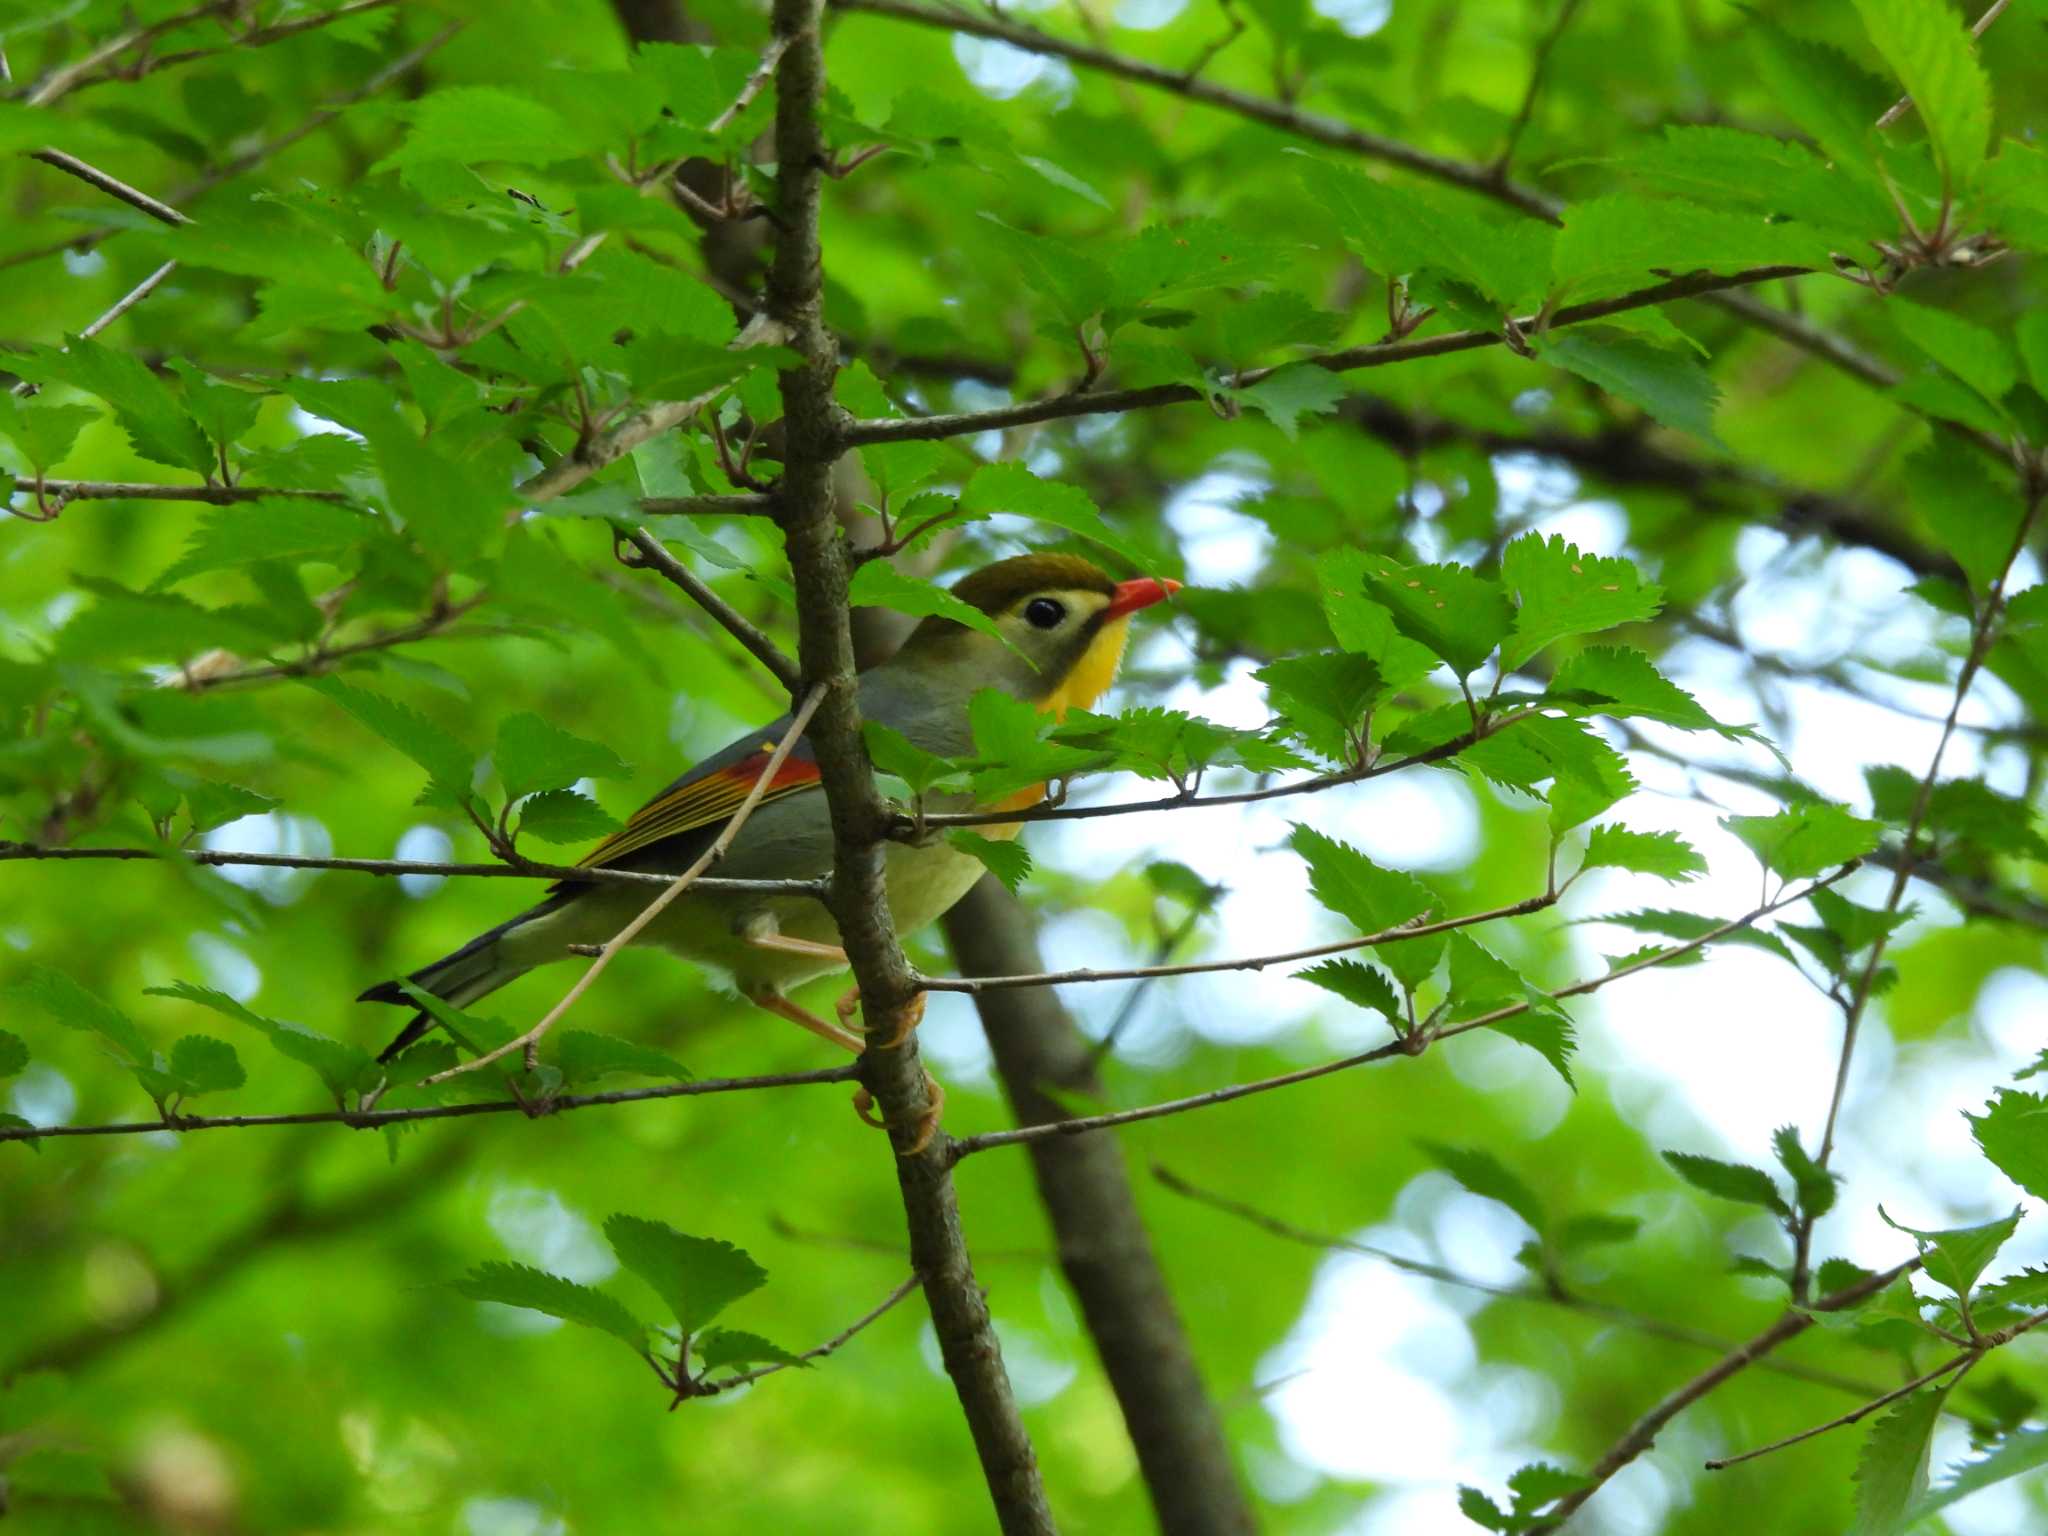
[704,801]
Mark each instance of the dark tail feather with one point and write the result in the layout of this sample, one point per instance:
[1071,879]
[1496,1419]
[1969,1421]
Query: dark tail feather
[471,972]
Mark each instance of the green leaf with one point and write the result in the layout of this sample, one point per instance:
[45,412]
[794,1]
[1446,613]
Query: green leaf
[697,1277]
[1813,1184]
[450,766]
[1663,854]
[1007,861]
[280,528]
[1357,983]
[204,1065]
[1011,488]
[1956,1256]
[1326,697]
[1975,519]
[13,1054]
[878,584]
[519,1285]
[1807,839]
[1891,1469]
[1372,900]
[223,411]
[1730,1181]
[1587,775]
[452,509]
[148,412]
[44,433]
[534,754]
[1561,591]
[1593,1229]
[564,816]
[1074,284]
[69,1004]
[339,1065]
[894,753]
[1451,609]
[1669,386]
[1619,242]
[1622,682]
[2015,1455]
[1291,392]
[1730,169]
[1549,1033]
[1831,100]
[1981,358]
[1486,1176]
[1932,53]
[2013,1133]
[470,123]
[2032,335]
[719,1347]
[584,1057]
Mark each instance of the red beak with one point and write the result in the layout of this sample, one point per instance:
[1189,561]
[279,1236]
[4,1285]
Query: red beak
[1140,593]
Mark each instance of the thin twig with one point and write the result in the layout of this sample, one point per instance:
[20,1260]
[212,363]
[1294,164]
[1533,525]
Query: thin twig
[771,56]
[1627,1317]
[1642,1434]
[656,907]
[1985,632]
[653,554]
[1904,104]
[1394,935]
[524,870]
[113,186]
[373,1119]
[1962,1362]
[837,1341]
[1082,1125]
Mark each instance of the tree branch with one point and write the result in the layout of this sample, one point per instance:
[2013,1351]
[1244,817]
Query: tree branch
[981,985]
[1350,360]
[1640,1322]
[1643,1433]
[860,819]
[1406,1046]
[818,1352]
[1565,11]
[1275,114]
[1104,1249]
[654,555]
[93,176]
[375,1119]
[525,869]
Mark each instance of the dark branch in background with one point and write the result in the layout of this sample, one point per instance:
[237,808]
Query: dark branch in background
[1554,1296]
[1275,114]
[1104,1250]
[651,554]
[1643,1433]
[286,1220]
[524,870]
[1406,1046]
[1349,360]
[860,819]
[210,495]
[98,66]
[373,1119]
[1565,11]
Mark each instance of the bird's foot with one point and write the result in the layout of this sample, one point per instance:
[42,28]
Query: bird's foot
[912,1016]
[926,1126]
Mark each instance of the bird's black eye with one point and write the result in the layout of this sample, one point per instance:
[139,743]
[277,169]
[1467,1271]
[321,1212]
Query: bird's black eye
[1044,612]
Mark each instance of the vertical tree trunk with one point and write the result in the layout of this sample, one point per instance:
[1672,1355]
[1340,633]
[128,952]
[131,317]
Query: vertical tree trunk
[1104,1248]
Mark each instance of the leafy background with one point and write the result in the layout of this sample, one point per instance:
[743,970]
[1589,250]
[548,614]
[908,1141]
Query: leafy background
[390,303]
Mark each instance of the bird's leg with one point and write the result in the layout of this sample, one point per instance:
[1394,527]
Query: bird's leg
[913,1015]
[927,1123]
[770,1001]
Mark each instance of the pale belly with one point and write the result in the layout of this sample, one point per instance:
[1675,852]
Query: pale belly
[713,928]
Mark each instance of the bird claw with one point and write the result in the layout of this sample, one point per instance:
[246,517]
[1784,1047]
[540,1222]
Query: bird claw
[913,1015]
[926,1125]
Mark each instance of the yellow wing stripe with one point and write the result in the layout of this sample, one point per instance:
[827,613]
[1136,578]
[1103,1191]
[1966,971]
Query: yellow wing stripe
[700,803]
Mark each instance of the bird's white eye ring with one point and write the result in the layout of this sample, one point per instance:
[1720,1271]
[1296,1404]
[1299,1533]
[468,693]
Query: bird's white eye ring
[1044,612]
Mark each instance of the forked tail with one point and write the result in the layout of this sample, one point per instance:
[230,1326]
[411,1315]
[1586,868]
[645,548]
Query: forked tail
[477,969]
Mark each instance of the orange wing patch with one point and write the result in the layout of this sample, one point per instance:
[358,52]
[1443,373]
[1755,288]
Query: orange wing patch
[701,802]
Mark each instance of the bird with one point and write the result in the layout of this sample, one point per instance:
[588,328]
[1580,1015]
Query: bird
[1061,624]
